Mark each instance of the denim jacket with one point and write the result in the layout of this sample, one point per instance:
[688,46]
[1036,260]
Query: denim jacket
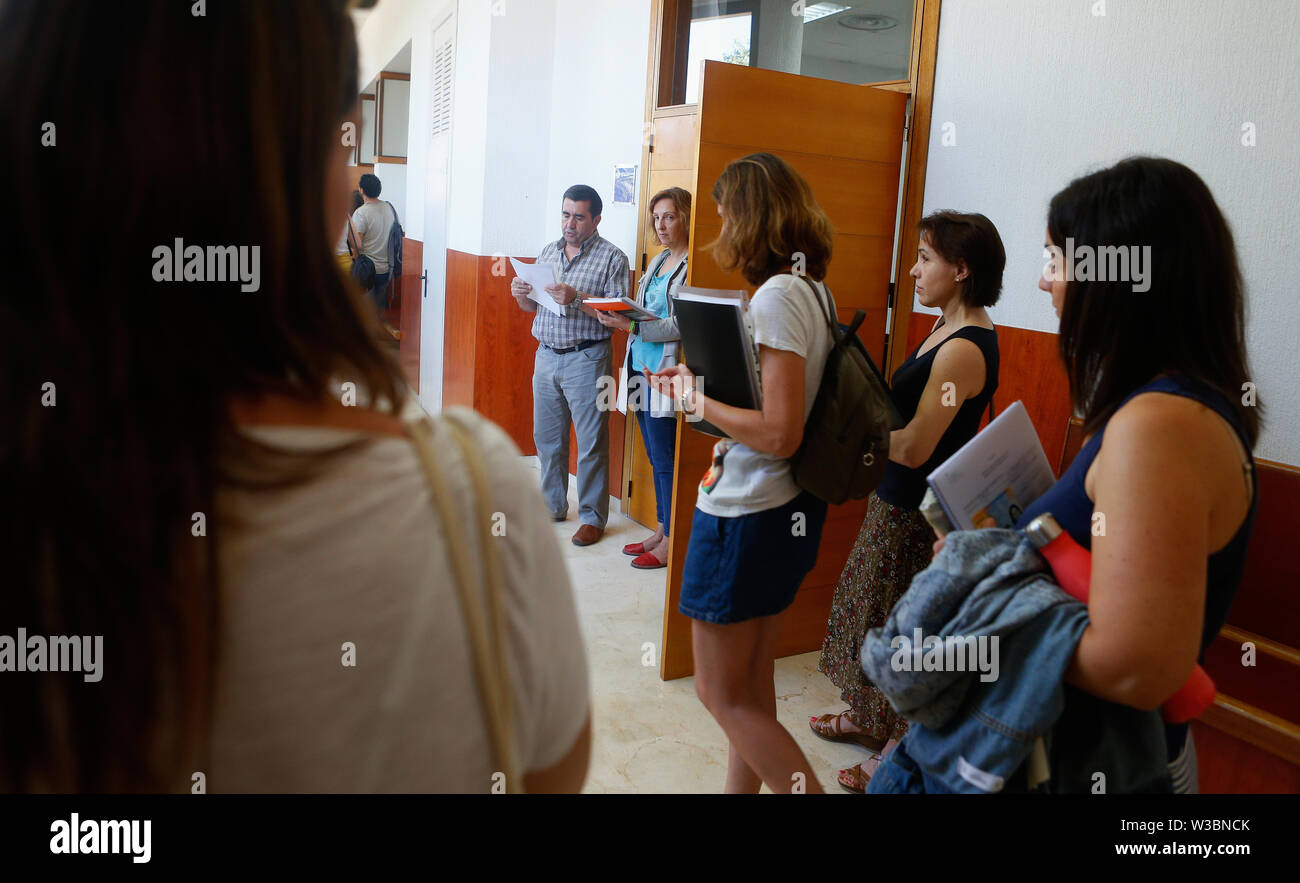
[973,730]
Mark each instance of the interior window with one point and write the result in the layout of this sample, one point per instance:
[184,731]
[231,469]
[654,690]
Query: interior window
[851,42]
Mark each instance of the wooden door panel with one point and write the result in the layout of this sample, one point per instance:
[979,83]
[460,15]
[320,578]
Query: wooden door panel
[846,141]
[411,291]
[694,450]
[787,113]
[858,185]
[641,490]
[674,141]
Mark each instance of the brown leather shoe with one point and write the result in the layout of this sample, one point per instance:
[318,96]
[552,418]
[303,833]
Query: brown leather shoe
[587,534]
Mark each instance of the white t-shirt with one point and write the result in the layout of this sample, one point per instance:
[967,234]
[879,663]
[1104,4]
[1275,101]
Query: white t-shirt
[373,221]
[351,556]
[786,316]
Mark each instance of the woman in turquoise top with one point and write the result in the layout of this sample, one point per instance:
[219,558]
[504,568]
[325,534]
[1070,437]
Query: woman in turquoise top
[653,346]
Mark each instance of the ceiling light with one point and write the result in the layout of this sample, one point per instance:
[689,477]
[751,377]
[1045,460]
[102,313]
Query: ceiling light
[821,10]
[868,22]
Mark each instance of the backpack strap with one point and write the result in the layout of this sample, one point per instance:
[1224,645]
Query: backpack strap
[355,243]
[484,618]
[837,335]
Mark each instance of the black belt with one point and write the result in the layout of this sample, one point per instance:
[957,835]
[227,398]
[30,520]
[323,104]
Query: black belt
[565,350]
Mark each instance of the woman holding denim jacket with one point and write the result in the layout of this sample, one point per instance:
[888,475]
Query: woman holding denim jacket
[1163,489]
[653,346]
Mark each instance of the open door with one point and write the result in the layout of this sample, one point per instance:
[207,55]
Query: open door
[846,140]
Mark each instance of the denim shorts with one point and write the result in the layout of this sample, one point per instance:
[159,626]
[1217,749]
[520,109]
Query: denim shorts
[749,566]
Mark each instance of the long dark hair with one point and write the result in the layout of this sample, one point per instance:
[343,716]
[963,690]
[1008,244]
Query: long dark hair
[215,129]
[1190,322]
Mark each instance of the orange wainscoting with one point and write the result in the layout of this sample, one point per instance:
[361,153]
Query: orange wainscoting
[489,351]
[1031,372]
[408,301]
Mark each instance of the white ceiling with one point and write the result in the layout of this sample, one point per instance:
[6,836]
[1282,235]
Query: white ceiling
[826,38]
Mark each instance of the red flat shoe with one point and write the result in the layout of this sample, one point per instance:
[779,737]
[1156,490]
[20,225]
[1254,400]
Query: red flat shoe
[634,549]
[648,562]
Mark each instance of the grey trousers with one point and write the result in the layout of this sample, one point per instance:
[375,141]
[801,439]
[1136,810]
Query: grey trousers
[565,389]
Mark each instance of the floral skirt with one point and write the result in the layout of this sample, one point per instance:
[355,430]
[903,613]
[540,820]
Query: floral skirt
[893,546]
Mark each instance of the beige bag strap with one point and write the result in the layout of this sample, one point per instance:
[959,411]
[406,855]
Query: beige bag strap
[483,617]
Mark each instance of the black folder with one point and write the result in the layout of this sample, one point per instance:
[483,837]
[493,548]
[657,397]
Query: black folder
[717,347]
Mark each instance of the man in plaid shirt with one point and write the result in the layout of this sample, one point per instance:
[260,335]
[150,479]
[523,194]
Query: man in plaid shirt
[573,354]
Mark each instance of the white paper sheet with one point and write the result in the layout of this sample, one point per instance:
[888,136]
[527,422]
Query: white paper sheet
[539,276]
[995,475]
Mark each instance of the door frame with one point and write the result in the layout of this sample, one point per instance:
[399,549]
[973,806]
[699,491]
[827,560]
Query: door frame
[919,85]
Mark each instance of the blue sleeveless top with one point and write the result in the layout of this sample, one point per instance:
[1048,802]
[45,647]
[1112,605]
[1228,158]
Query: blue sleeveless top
[1069,504]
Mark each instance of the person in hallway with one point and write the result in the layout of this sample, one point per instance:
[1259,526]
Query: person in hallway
[653,346]
[573,357]
[373,221]
[346,250]
[268,565]
[942,390]
[746,559]
[1158,377]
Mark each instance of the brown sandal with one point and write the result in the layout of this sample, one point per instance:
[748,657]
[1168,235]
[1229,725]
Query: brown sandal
[827,726]
[854,779]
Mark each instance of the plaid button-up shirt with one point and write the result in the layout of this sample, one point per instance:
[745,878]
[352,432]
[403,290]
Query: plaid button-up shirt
[599,270]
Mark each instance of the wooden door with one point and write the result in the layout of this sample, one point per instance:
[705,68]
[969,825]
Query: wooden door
[846,141]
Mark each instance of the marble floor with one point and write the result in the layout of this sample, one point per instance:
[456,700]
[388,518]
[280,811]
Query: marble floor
[652,736]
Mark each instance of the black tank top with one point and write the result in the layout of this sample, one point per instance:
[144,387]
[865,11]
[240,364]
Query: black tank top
[904,487]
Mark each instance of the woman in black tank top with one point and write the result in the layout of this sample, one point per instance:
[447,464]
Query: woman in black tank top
[942,390]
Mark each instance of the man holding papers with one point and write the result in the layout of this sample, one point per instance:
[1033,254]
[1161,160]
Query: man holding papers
[573,353]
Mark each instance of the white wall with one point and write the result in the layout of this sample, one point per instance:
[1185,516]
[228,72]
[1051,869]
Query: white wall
[387,29]
[522,58]
[1038,93]
[392,180]
[598,110]
[396,96]
[469,125]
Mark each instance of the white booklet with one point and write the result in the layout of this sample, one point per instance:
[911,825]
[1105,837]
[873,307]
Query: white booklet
[539,276]
[993,477]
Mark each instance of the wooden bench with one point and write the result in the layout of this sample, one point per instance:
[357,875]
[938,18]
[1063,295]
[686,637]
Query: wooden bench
[1249,740]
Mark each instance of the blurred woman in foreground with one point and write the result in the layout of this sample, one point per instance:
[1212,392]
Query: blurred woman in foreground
[205,442]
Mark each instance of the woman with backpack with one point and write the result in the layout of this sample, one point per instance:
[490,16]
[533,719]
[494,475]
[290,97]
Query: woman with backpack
[747,556]
[941,390]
